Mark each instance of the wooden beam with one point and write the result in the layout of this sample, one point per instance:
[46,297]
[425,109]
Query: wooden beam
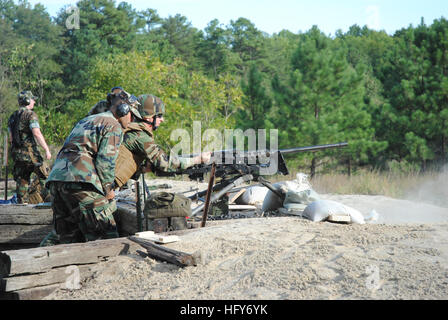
[22,209]
[32,217]
[54,276]
[162,253]
[42,259]
[23,234]
[29,294]
[237,195]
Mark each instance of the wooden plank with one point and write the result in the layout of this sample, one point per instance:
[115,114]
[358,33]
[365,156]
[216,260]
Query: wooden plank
[22,209]
[157,238]
[54,276]
[237,195]
[42,259]
[41,217]
[29,294]
[241,207]
[341,218]
[23,233]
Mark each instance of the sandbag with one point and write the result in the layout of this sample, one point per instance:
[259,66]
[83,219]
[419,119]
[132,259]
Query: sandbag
[165,204]
[272,201]
[253,195]
[298,193]
[320,210]
[299,199]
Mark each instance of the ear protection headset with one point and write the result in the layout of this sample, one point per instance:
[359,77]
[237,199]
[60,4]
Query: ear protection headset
[24,100]
[123,109]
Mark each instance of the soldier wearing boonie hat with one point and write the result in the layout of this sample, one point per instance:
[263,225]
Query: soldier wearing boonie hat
[24,136]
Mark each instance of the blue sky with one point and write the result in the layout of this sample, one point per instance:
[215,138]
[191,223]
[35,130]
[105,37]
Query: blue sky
[272,16]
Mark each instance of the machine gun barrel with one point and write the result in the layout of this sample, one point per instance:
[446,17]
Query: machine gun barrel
[314,148]
[283,151]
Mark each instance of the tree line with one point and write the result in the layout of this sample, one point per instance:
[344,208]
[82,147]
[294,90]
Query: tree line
[387,95]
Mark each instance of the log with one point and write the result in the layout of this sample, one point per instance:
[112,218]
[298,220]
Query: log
[162,253]
[43,259]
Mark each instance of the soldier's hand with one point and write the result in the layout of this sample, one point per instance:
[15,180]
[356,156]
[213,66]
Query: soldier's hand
[205,157]
[48,154]
[110,195]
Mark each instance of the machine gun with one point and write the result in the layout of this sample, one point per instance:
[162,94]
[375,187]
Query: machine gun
[235,167]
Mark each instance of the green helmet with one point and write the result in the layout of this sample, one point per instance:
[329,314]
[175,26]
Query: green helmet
[24,98]
[150,106]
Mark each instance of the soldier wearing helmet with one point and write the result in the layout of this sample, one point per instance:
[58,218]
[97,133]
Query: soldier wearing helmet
[24,135]
[139,152]
[81,181]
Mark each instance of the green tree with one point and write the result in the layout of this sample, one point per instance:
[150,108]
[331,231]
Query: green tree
[256,101]
[323,101]
[214,52]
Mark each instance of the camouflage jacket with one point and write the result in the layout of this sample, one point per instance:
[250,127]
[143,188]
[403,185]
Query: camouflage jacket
[140,141]
[24,147]
[89,152]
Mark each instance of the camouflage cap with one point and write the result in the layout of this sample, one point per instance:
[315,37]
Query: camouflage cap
[25,96]
[150,105]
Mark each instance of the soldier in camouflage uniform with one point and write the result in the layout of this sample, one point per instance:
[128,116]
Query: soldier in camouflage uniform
[24,135]
[139,140]
[81,181]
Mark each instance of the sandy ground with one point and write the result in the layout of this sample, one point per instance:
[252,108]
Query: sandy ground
[403,255]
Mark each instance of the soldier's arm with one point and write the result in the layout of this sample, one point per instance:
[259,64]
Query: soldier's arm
[41,141]
[145,146]
[107,156]
[10,136]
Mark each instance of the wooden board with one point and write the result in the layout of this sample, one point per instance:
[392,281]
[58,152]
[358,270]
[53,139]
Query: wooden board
[157,238]
[23,234]
[22,209]
[241,207]
[32,217]
[341,218]
[54,276]
[237,195]
[42,259]
[36,293]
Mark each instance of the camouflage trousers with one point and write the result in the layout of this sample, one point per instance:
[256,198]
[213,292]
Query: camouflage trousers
[80,214]
[22,173]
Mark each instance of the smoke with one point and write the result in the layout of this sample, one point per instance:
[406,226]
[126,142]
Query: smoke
[433,191]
